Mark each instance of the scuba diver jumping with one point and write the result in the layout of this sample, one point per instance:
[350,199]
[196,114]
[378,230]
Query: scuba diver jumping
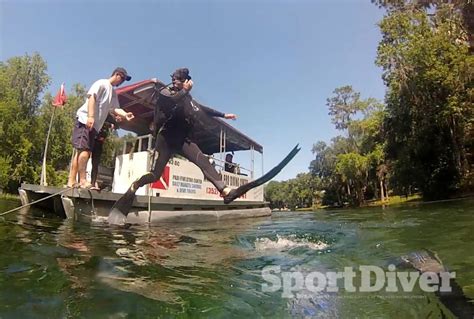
[177,116]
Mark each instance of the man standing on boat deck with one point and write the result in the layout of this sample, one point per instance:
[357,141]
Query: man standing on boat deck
[176,119]
[101,100]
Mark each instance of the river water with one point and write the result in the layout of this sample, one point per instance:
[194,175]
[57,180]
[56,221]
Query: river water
[54,268]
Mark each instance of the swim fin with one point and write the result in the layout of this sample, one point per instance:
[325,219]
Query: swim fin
[118,213]
[237,192]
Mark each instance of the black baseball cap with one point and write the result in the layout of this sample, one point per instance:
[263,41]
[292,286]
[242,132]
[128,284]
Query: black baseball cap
[181,74]
[124,72]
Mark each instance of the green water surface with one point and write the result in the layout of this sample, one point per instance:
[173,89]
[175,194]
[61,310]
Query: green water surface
[54,268]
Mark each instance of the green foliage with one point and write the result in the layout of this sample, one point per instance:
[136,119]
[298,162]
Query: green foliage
[274,194]
[301,191]
[343,106]
[353,170]
[24,122]
[112,146]
[352,166]
[428,72]
[53,176]
[462,9]
[348,166]
[27,75]
[5,169]
[22,79]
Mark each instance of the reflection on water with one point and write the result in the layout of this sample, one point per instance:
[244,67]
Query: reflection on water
[54,268]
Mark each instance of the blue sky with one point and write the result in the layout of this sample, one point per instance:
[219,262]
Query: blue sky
[273,63]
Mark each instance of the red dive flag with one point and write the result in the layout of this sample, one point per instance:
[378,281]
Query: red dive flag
[60,98]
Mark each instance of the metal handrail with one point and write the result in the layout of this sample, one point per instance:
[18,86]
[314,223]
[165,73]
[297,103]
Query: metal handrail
[241,168]
[140,140]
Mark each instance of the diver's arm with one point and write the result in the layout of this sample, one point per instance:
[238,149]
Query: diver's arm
[212,112]
[209,111]
[215,113]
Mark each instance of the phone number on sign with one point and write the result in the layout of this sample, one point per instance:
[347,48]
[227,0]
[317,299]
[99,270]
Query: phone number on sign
[214,191]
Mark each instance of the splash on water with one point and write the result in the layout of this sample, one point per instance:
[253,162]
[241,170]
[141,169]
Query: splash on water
[287,242]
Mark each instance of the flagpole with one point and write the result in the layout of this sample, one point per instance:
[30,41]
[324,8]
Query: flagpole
[59,101]
[43,168]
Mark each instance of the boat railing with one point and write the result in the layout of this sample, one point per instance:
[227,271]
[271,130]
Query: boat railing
[145,143]
[240,170]
[138,144]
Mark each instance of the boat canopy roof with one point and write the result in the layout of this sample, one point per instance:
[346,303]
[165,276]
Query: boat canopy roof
[140,98]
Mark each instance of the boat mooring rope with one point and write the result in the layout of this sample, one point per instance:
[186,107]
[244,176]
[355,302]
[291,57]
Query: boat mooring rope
[36,201]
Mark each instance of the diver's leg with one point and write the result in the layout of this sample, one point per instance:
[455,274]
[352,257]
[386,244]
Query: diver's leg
[165,151]
[192,152]
[86,140]
[121,208]
[95,159]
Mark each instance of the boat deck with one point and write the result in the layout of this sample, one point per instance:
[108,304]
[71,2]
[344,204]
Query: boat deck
[77,203]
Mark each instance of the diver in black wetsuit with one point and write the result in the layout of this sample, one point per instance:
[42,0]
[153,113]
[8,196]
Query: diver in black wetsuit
[176,119]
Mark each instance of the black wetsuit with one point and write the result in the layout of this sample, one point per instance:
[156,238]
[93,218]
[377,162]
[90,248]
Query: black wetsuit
[176,118]
[99,146]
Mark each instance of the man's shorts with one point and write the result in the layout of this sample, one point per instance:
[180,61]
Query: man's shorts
[82,138]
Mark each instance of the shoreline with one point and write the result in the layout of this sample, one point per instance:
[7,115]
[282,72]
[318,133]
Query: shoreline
[393,201]
[8,196]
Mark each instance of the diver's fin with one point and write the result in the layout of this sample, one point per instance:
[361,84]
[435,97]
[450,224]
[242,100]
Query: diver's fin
[118,213]
[425,260]
[236,193]
[116,217]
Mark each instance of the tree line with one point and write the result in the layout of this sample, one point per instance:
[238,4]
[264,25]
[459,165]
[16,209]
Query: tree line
[421,138]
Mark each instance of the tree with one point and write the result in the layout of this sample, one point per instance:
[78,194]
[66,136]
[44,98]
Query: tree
[348,166]
[24,122]
[343,105]
[22,79]
[27,75]
[428,72]
[353,169]
[5,168]
[274,194]
[298,192]
[460,8]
